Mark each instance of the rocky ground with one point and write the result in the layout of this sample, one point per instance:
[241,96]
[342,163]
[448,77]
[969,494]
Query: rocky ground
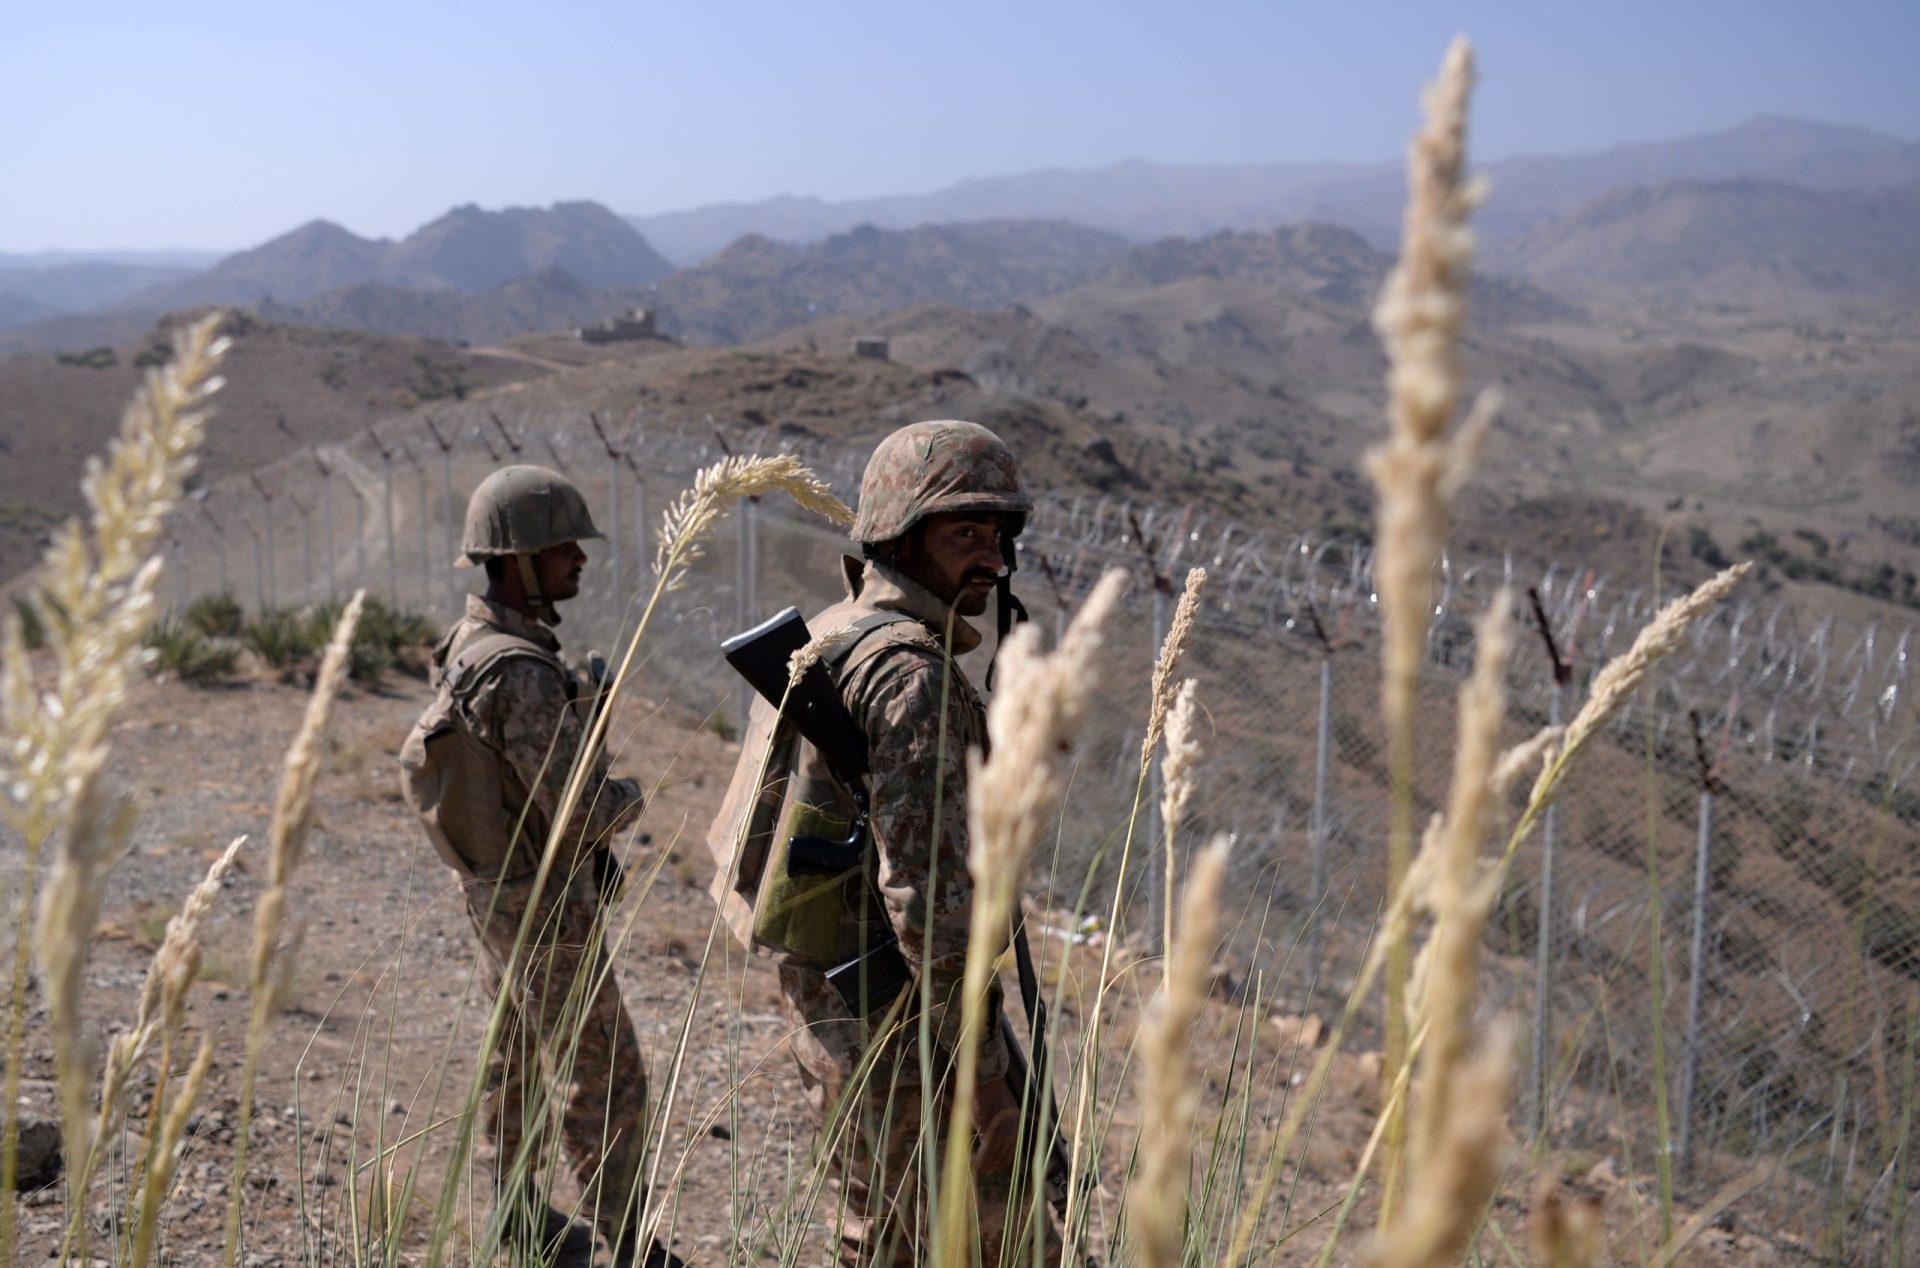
[372,1053]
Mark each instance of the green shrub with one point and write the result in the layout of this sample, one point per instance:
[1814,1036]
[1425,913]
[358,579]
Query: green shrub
[158,353]
[280,636]
[183,651]
[92,359]
[378,640]
[216,615]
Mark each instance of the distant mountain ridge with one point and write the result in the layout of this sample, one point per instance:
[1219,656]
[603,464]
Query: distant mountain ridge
[467,249]
[1741,241]
[757,286]
[1144,201]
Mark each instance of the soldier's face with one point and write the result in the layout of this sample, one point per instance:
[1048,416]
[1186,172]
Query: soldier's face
[956,556]
[558,568]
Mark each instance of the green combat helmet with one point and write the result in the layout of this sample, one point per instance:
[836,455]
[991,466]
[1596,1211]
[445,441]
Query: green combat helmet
[518,512]
[926,468]
[947,465]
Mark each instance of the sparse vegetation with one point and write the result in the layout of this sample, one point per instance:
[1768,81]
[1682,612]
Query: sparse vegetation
[281,637]
[215,615]
[100,358]
[154,354]
[1881,581]
[181,649]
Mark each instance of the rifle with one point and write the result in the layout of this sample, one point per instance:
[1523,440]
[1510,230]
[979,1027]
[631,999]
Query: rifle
[608,876]
[813,706]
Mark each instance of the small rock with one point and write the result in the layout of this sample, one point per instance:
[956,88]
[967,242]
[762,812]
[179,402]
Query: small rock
[719,1132]
[1297,1032]
[39,1157]
[395,1107]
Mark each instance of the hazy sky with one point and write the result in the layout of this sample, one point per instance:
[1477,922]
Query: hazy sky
[217,125]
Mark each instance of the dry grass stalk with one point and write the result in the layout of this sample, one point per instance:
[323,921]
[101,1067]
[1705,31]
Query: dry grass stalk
[1012,798]
[1445,1200]
[1177,770]
[810,654]
[1461,892]
[95,597]
[1420,467]
[1173,648]
[1157,1197]
[271,967]
[1563,1233]
[1525,756]
[161,1012]
[1618,681]
[718,487]
[173,1132]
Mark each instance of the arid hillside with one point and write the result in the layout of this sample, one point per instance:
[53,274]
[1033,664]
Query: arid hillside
[287,387]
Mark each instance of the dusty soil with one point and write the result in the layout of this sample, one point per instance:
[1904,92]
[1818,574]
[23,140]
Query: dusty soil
[374,1046]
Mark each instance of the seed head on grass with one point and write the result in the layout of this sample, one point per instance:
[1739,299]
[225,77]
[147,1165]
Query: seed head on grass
[1445,1200]
[1420,467]
[1157,1196]
[1178,767]
[1173,649]
[163,997]
[94,600]
[1012,798]
[1619,679]
[1177,770]
[273,958]
[809,655]
[715,489]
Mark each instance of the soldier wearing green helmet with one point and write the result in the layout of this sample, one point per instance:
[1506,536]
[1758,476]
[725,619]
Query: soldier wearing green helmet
[940,505]
[485,769]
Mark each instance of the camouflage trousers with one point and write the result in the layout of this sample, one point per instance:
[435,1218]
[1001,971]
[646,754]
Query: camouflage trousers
[878,1148]
[567,1045]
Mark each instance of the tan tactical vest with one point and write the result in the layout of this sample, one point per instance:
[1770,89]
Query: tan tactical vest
[782,788]
[481,822]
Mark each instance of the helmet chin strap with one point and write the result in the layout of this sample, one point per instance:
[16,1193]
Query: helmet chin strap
[535,599]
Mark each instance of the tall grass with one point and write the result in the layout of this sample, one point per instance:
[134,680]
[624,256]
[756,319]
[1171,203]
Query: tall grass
[1200,1181]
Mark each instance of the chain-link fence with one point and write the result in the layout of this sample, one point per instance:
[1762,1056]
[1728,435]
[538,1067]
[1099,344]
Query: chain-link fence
[1725,906]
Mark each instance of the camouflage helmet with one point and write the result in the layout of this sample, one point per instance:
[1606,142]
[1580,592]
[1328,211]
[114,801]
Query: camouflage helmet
[928,468]
[522,510]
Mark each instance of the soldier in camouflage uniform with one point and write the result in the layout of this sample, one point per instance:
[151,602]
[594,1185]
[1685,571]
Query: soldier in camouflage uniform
[936,502]
[487,767]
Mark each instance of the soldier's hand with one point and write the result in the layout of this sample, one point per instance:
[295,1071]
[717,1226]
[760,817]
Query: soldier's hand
[996,1126]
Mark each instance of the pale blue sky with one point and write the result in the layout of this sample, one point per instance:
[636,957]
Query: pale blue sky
[219,124]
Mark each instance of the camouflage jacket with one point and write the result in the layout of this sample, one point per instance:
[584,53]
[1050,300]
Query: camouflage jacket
[900,687]
[528,711]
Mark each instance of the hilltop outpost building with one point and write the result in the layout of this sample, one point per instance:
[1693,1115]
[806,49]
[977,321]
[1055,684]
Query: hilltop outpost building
[635,323]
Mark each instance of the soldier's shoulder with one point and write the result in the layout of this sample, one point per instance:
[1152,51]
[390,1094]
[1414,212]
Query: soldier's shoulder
[525,673]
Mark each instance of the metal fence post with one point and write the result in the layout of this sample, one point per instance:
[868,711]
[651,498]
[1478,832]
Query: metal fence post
[219,548]
[1317,841]
[1561,667]
[259,569]
[615,578]
[386,490]
[266,499]
[446,509]
[1543,943]
[333,542]
[306,547]
[359,539]
[1697,951]
[420,514]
